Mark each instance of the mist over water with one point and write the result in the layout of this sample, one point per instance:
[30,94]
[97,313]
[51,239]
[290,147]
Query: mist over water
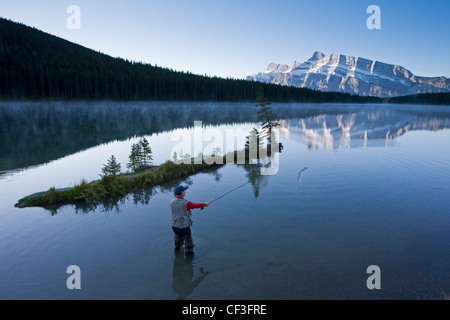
[357,185]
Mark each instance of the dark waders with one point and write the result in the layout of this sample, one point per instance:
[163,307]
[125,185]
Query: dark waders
[183,237]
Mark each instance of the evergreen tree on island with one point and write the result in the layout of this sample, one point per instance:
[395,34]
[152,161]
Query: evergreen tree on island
[140,156]
[265,115]
[111,168]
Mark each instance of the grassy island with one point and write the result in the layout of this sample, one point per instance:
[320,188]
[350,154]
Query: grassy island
[110,187]
[115,186]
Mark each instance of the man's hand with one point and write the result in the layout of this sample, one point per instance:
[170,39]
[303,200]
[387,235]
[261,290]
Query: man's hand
[206,205]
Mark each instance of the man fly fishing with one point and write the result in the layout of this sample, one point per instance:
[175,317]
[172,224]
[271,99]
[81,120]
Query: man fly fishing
[181,216]
[181,219]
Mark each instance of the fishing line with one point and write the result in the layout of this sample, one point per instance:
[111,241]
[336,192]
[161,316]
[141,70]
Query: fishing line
[300,173]
[228,192]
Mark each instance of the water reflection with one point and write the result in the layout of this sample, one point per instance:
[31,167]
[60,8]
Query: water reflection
[331,131]
[183,283]
[254,177]
[107,206]
[140,196]
[36,133]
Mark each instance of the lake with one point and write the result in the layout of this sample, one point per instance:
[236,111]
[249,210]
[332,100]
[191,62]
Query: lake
[355,186]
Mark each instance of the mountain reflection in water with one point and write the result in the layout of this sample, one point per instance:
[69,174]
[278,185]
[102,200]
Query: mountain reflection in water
[37,133]
[337,131]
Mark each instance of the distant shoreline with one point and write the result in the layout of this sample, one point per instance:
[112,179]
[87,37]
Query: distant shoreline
[417,99]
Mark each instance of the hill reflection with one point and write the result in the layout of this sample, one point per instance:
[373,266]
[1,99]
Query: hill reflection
[36,133]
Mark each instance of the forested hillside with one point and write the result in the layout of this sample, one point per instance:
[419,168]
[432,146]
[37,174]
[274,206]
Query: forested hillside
[35,65]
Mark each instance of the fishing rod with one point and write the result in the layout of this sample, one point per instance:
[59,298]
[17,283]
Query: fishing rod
[227,193]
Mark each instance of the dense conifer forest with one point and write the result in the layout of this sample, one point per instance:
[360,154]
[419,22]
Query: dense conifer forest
[424,98]
[35,65]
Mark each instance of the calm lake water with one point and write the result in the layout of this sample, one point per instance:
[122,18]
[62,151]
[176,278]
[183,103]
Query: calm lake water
[375,191]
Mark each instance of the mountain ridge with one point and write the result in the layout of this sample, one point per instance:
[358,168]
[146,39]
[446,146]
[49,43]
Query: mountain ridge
[354,75]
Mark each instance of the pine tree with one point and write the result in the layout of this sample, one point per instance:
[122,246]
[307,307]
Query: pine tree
[253,140]
[175,157]
[265,115]
[140,156]
[112,168]
[146,157]
[134,158]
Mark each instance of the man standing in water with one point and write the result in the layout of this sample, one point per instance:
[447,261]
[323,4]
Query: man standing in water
[181,219]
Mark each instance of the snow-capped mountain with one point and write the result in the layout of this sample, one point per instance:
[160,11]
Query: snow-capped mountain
[342,73]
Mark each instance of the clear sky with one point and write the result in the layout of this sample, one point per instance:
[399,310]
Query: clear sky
[236,38]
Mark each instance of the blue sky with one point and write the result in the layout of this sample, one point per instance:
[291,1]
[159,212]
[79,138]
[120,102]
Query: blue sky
[235,38]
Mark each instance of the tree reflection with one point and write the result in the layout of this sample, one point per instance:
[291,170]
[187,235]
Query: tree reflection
[254,177]
[37,133]
[140,196]
[34,133]
[253,168]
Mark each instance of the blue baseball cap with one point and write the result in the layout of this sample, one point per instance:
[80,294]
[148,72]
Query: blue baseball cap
[179,189]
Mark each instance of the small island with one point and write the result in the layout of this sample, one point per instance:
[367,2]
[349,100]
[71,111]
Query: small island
[113,185]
